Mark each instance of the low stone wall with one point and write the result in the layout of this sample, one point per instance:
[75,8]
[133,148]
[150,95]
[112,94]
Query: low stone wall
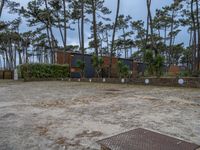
[172,82]
[175,82]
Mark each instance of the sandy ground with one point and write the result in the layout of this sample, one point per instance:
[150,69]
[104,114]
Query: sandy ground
[73,116]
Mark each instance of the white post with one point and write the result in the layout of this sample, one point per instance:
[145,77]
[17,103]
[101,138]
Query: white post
[15,75]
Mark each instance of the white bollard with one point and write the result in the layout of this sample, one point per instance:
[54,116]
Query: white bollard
[123,80]
[181,81]
[15,75]
[146,81]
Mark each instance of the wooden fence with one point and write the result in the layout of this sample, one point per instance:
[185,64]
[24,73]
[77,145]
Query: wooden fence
[6,74]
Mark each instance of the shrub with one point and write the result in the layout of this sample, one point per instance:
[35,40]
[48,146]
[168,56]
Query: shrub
[97,63]
[149,60]
[158,65]
[43,71]
[123,69]
[80,64]
[184,74]
[19,72]
[154,64]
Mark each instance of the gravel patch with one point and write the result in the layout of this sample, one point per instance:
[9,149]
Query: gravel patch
[69,115]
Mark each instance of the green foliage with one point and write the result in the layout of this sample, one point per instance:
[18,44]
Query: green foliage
[19,71]
[137,56]
[187,56]
[154,64]
[97,63]
[188,73]
[185,74]
[80,64]
[43,71]
[123,69]
[149,60]
[158,65]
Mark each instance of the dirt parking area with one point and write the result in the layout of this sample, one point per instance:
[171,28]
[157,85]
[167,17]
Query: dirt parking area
[73,116]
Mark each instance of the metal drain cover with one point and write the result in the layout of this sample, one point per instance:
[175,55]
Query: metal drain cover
[142,139]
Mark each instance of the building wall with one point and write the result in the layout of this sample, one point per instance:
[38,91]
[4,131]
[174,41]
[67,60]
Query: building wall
[72,58]
[174,70]
[89,70]
[106,65]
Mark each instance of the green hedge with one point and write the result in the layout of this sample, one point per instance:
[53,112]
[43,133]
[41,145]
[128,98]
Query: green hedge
[43,71]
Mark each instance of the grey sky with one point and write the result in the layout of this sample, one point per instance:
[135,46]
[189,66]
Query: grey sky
[134,8]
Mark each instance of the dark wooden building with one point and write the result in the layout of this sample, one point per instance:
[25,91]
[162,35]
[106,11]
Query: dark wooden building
[71,58]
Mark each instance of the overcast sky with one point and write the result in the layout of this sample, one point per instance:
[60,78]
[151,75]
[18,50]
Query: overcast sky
[134,8]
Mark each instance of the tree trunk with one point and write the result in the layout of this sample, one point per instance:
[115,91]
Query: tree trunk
[153,47]
[4,61]
[82,30]
[171,37]
[7,60]
[95,27]
[65,30]
[60,29]
[101,48]
[107,39]
[125,49]
[147,30]
[113,37]
[198,31]
[79,34]
[26,50]
[195,36]
[165,33]
[1,7]
[10,54]
[20,57]
[191,36]
[51,36]
[53,44]
[49,40]
[15,56]
[1,63]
